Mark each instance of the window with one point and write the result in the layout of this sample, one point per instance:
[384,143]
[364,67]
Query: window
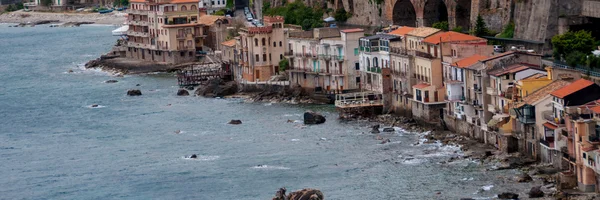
[269,57]
[183,8]
[356,51]
[375,62]
[255,41]
[193,7]
[358,79]
[280,44]
[356,66]
[274,44]
[265,57]
[257,58]
[264,42]
[280,56]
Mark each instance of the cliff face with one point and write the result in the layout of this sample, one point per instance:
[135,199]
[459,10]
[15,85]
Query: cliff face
[364,12]
[538,19]
[495,13]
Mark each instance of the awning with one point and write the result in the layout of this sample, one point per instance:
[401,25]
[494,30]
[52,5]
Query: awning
[550,126]
[120,31]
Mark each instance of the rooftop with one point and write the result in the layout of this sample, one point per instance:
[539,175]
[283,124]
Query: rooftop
[572,88]
[595,109]
[423,31]
[354,30]
[451,36]
[380,36]
[229,43]
[541,93]
[466,62]
[209,19]
[185,1]
[402,31]
[509,70]
[536,76]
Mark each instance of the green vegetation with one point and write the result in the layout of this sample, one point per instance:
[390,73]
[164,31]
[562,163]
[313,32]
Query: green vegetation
[283,64]
[458,29]
[575,48]
[297,13]
[480,27]
[443,25]
[121,3]
[220,12]
[46,2]
[509,31]
[229,4]
[341,15]
[14,7]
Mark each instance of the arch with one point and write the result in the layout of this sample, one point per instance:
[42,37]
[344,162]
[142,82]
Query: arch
[193,7]
[375,62]
[434,11]
[183,8]
[463,14]
[404,13]
[368,62]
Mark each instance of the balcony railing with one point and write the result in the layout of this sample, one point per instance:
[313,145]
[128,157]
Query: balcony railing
[424,55]
[374,69]
[549,116]
[397,50]
[545,143]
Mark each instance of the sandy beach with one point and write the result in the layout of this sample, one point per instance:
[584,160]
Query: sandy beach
[115,18]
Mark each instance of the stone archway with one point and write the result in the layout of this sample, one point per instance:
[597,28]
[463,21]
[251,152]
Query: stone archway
[404,13]
[434,11]
[462,14]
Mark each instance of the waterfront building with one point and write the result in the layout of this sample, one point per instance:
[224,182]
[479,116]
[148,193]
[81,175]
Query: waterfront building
[262,48]
[402,73]
[215,29]
[324,59]
[165,31]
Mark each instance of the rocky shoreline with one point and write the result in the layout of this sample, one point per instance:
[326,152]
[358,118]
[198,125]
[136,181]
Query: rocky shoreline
[18,17]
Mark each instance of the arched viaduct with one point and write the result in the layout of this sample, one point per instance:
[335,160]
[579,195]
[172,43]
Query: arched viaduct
[426,12]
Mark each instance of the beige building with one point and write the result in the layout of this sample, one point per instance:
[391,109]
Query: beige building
[164,31]
[261,49]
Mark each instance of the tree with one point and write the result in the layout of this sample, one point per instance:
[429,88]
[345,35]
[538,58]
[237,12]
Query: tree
[509,31]
[341,15]
[570,42]
[283,64]
[575,58]
[443,25]
[297,13]
[458,29]
[480,27]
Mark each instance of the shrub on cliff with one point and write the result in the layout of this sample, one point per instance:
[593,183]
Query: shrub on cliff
[509,31]
[570,42]
[341,15]
[297,13]
[443,25]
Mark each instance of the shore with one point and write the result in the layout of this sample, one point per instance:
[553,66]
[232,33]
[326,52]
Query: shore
[114,18]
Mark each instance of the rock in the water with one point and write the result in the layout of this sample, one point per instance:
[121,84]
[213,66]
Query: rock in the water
[467,199]
[182,92]
[389,129]
[134,92]
[70,71]
[194,156]
[536,192]
[235,121]
[508,195]
[111,81]
[311,117]
[305,194]
[375,129]
[524,178]
[94,105]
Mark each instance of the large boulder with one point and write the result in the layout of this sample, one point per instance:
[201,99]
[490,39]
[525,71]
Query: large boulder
[134,92]
[304,194]
[508,195]
[217,88]
[523,178]
[375,129]
[389,129]
[235,121]
[182,92]
[311,117]
[536,192]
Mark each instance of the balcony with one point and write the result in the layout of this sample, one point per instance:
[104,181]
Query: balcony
[594,139]
[338,58]
[137,34]
[424,55]
[568,157]
[477,90]
[289,54]
[492,108]
[454,98]
[546,143]
[374,69]
[549,116]
[138,22]
[491,91]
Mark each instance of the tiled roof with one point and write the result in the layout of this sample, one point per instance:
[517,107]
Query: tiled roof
[509,70]
[421,85]
[209,19]
[137,1]
[381,36]
[229,43]
[468,61]
[354,30]
[541,93]
[595,109]
[536,76]
[571,88]
[402,31]
[184,1]
[550,126]
[499,55]
[423,31]
[451,36]
[589,148]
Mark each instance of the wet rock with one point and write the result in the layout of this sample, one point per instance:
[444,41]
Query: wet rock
[523,178]
[536,192]
[385,141]
[311,117]
[235,121]
[190,88]
[182,92]
[137,84]
[70,71]
[217,88]
[194,156]
[508,195]
[467,199]
[389,129]
[375,129]
[111,81]
[94,105]
[134,92]
[304,194]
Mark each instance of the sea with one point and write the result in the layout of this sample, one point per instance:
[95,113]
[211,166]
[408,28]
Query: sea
[55,145]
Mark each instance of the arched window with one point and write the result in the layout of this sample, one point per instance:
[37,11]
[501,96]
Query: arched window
[274,44]
[193,7]
[375,62]
[280,56]
[264,42]
[280,44]
[255,41]
[368,62]
[183,8]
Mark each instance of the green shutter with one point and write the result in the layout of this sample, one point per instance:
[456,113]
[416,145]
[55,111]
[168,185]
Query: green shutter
[356,51]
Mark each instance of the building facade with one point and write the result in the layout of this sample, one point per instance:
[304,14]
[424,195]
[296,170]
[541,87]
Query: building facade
[261,49]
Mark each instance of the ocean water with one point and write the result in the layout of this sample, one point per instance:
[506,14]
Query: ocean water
[54,145]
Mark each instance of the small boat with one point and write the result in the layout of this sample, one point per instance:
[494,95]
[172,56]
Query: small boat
[105,11]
